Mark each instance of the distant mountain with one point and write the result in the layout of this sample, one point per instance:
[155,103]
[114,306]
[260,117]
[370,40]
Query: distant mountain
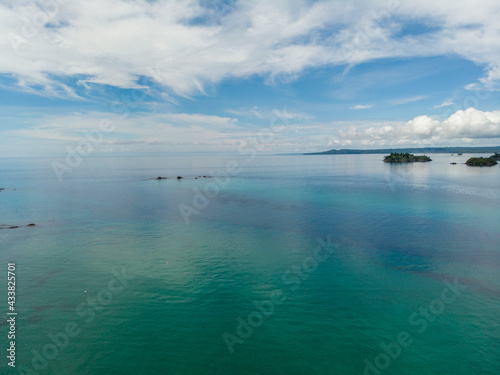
[435,150]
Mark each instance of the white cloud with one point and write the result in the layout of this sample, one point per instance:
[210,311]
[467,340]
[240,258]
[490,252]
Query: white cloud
[409,100]
[362,106]
[252,112]
[492,76]
[490,82]
[290,115]
[186,46]
[446,103]
[462,125]
[283,114]
[178,128]
[153,133]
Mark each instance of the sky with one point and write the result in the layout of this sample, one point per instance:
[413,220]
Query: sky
[147,77]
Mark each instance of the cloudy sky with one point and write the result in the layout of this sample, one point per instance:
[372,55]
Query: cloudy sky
[205,76]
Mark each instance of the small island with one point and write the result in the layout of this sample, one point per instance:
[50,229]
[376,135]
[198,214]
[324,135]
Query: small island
[495,156]
[395,157]
[481,162]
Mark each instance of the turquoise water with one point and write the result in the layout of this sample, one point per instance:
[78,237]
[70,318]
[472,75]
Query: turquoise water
[398,236]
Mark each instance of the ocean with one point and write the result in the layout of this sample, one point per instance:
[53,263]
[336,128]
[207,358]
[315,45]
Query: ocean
[324,264]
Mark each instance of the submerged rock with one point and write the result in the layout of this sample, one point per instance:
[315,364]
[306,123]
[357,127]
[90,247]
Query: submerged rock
[3,226]
[178,178]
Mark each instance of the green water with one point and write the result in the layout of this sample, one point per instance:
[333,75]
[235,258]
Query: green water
[398,235]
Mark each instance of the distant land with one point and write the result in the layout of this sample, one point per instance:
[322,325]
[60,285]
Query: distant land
[435,150]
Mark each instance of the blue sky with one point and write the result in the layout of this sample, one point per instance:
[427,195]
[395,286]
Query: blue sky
[203,77]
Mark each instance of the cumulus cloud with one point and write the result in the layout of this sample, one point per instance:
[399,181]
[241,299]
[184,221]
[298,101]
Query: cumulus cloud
[462,125]
[186,45]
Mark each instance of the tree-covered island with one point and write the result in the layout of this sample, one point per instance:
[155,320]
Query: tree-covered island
[495,156]
[395,157]
[481,162]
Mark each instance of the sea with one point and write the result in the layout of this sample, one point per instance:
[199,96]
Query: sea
[271,264]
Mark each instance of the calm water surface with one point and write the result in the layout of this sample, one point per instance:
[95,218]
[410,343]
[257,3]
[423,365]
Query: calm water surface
[181,285]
